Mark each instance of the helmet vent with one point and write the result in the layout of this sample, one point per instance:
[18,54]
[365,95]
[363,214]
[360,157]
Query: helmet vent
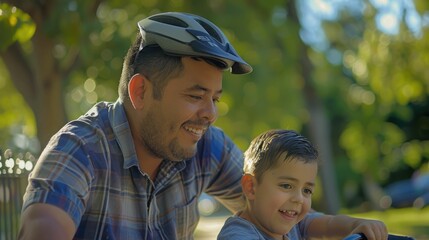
[170,20]
[210,30]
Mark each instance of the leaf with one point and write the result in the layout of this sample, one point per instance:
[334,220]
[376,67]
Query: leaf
[15,25]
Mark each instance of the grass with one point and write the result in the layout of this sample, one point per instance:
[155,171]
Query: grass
[404,221]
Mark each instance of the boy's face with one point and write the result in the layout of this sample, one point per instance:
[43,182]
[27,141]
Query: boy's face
[283,196]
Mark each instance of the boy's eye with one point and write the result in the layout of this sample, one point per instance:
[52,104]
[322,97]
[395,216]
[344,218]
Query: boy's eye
[308,191]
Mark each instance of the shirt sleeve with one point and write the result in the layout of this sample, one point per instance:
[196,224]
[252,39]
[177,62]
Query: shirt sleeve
[227,164]
[62,176]
[236,228]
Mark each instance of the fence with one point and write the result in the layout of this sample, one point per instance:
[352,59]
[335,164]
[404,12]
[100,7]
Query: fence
[13,181]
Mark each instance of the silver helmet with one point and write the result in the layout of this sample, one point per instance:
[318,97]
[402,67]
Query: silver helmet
[186,34]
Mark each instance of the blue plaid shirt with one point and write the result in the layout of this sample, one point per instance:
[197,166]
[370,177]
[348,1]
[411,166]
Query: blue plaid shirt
[90,170]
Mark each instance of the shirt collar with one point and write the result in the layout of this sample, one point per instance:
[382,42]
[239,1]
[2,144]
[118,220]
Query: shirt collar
[121,129]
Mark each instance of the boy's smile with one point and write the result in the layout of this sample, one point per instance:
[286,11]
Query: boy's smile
[282,197]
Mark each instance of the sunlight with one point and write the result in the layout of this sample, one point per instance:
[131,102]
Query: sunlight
[388,23]
[323,7]
[388,17]
[380,3]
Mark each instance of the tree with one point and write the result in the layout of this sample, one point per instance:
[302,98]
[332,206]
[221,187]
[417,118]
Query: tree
[386,90]
[32,66]
[333,91]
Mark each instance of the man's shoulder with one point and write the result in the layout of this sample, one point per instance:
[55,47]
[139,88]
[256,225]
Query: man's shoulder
[98,114]
[89,127]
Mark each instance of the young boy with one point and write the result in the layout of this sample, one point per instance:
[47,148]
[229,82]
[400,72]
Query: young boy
[280,169]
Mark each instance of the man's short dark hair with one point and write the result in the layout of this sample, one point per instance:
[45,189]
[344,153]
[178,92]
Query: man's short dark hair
[152,63]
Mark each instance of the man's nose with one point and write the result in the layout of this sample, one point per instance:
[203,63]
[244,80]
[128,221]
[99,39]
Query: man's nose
[208,111]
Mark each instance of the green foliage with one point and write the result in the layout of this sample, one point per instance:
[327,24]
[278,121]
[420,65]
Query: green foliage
[376,95]
[15,25]
[405,221]
[378,98]
[17,126]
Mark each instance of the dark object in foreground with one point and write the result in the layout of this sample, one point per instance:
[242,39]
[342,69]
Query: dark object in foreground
[391,237]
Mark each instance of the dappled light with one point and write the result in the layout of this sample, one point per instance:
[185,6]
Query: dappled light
[361,96]
[16,164]
[352,76]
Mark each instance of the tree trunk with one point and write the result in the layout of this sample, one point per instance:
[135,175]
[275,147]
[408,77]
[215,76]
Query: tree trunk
[319,124]
[37,75]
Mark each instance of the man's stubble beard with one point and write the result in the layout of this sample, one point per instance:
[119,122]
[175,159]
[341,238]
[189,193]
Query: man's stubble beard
[154,139]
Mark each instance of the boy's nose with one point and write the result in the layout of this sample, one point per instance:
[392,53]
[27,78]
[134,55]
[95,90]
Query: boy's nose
[298,197]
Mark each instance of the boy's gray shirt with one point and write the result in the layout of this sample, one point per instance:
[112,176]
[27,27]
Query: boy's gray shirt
[236,228]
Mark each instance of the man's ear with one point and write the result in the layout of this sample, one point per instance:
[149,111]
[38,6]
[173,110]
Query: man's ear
[136,90]
[248,184]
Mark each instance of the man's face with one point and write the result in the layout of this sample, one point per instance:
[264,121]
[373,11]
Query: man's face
[283,196]
[173,125]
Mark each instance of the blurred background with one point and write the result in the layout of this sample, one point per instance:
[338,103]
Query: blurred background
[353,76]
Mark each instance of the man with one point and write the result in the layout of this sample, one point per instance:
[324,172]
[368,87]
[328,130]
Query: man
[134,169]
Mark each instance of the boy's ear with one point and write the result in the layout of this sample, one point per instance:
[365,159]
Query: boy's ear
[136,90]
[248,183]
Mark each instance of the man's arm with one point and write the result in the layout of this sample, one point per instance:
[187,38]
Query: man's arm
[341,226]
[225,163]
[44,222]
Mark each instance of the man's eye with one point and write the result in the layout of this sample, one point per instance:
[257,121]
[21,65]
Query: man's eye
[195,97]
[286,186]
[216,100]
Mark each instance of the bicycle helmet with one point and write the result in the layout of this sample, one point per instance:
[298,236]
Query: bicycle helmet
[186,34]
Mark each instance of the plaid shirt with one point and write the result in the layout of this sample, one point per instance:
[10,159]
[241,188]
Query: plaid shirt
[90,170]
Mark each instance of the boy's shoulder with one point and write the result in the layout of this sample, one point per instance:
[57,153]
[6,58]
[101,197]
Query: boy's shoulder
[236,227]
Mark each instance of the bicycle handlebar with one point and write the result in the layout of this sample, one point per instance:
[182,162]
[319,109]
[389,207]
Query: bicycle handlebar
[391,237]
